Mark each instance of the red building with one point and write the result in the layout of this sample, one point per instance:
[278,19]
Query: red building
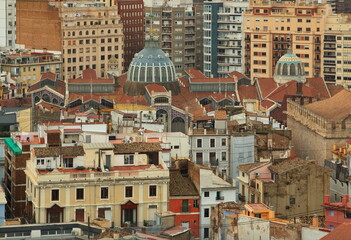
[336,213]
[132,17]
[184,201]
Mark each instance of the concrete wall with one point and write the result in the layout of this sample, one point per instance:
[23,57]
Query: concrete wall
[312,234]
[253,228]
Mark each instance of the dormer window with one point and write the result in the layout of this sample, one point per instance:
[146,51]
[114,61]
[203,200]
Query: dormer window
[128,159]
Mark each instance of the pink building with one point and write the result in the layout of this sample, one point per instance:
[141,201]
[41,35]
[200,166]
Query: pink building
[337,213]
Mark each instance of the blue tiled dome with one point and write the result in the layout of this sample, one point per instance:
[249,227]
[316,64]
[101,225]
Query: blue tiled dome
[151,65]
[289,67]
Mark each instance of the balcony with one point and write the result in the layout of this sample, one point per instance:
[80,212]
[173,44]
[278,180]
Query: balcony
[219,198]
[329,56]
[241,198]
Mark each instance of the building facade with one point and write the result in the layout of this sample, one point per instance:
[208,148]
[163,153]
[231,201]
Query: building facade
[8,23]
[87,34]
[180,33]
[125,183]
[132,18]
[336,50]
[336,213]
[26,67]
[223,37]
[272,28]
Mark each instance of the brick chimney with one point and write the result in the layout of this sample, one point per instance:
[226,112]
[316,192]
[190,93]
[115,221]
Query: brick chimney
[315,221]
[326,199]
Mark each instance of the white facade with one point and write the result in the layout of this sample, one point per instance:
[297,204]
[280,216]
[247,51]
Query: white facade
[7,23]
[224,37]
[214,190]
[253,228]
[172,3]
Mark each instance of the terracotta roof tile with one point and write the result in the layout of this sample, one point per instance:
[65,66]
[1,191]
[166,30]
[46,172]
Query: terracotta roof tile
[335,108]
[288,165]
[221,115]
[211,80]
[334,89]
[156,88]
[193,73]
[57,151]
[181,186]
[266,86]
[137,147]
[48,75]
[341,232]
[236,74]
[251,166]
[247,92]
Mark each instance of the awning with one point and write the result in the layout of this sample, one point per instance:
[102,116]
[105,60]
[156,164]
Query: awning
[13,146]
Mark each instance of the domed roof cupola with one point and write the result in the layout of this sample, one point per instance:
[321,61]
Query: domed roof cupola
[150,65]
[289,67]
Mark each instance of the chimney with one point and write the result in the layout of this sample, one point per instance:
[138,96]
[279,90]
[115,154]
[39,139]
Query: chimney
[299,89]
[315,221]
[345,200]
[326,199]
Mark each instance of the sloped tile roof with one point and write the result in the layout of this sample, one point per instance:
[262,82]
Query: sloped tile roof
[251,166]
[57,151]
[343,232]
[137,147]
[247,92]
[181,186]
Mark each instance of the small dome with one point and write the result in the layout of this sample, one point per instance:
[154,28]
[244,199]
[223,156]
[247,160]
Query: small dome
[151,65]
[289,67]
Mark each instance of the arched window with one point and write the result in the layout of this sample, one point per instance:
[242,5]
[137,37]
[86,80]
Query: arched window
[93,32]
[292,70]
[299,69]
[80,33]
[285,69]
[87,33]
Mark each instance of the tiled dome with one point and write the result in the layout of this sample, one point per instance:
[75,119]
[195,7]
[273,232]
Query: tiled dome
[289,67]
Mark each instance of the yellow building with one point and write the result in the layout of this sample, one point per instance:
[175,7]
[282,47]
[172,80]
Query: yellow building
[337,50]
[272,28]
[27,66]
[125,183]
[24,119]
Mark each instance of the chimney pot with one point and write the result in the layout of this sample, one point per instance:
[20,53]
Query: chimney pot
[327,199]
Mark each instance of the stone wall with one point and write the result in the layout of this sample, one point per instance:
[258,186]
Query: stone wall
[306,184]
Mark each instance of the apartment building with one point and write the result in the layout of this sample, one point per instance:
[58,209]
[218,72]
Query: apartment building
[271,28]
[179,30]
[132,18]
[26,67]
[340,6]
[223,37]
[337,50]
[8,23]
[125,183]
[87,33]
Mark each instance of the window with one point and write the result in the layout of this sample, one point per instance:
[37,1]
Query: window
[331,212]
[128,159]
[224,142]
[79,193]
[292,200]
[206,232]
[206,194]
[224,156]
[206,212]
[104,193]
[128,192]
[68,162]
[152,190]
[212,142]
[55,195]
[185,206]
[196,203]
[199,143]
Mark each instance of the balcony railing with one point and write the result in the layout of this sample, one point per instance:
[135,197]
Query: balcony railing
[220,198]
[241,198]
[149,223]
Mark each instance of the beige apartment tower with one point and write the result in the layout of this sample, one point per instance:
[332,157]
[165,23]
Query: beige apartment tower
[87,33]
[271,28]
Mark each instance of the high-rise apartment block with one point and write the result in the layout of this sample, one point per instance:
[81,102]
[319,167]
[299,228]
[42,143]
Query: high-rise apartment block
[340,6]
[272,28]
[180,34]
[337,50]
[223,37]
[87,33]
[132,18]
[8,23]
